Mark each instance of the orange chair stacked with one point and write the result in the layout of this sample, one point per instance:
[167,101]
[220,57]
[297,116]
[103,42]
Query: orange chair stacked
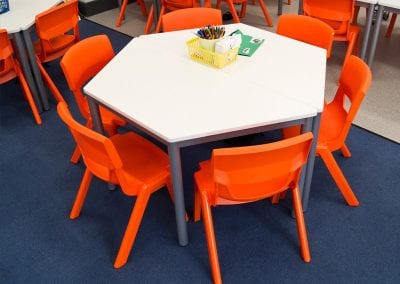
[79,64]
[338,14]
[243,3]
[190,18]
[9,69]
[54,28]
[246,174]
[123,9]
[307,29]
[168,6]
[337,117]
[128,160]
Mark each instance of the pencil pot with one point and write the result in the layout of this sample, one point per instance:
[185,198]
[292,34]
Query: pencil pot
[208,44]
[4,6]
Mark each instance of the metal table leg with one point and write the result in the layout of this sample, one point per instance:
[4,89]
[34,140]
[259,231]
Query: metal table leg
[179,200]
[35,69]
[367,31]
[310,163]
[280,4]
[300,12]
[375,36]
[27,70]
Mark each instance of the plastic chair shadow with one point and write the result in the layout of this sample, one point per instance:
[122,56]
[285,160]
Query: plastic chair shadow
[306,29]
[190,18]
[128,160]
[10,69]
[57,30]
[336,120]
[338,14]
[246,174]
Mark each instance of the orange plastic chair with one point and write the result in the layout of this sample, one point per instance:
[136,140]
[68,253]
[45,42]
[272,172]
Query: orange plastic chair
[128,160]
[168,6]
[338,14]
[337,117]
[391,25]
[190,18]
[57,30]
[307,29]
[9,69]
[336,120]
[123,8]
[79,64]
[246,174]
[243,3]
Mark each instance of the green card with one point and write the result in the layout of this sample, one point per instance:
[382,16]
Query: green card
[249,44]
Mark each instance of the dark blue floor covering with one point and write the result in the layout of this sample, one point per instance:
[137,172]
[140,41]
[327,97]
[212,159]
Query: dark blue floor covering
[257,242]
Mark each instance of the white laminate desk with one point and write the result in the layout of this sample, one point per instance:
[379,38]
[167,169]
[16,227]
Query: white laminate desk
[388,5]
[18,22]
[154,84]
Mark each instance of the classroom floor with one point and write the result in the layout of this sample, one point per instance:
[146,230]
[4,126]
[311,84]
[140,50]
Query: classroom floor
[379,112]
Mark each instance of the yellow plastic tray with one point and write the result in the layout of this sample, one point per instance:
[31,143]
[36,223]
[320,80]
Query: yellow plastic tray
[208,57]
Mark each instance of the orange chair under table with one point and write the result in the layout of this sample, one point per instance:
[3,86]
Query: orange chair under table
[243,3]
[306,29]
[128,160]
[190,18]
[79,64]
[391,25]
[123,9]
[246,174]
[9,69]
[57,30]
[169,6]
[336,120]
[338,14]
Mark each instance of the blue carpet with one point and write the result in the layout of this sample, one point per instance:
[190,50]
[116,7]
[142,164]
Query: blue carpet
[257,242]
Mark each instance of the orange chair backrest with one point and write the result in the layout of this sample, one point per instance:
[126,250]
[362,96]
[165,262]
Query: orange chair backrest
[338,115]
[255,172]
[98,152]
[6,58]
[82,62]
[52,26]
[182,4]
[191,18]
[307,29]
[338,13]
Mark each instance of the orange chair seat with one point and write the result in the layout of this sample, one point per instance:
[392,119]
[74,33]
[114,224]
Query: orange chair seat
[55,48]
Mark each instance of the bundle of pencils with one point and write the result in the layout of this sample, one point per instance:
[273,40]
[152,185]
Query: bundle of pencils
[211,32]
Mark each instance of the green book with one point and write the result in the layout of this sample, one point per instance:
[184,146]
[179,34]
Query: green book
[249,44]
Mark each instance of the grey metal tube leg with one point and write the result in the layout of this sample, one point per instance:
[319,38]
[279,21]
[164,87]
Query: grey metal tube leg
[280,4]
[300,12]
[367,32]
[27,71]
[95,113]
[35,69]
[179,200]
[375,36]
[310,164]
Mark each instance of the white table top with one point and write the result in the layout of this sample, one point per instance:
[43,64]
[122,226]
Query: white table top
[23,12]
[285,66]
[390,3]
[161,89]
